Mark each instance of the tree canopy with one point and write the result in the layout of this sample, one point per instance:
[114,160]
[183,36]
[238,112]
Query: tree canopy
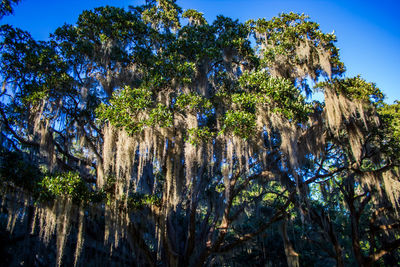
[6,7]
[148,136]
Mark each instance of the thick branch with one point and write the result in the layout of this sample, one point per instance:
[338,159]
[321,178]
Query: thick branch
[280,214]
[384,250]
[19,138]
[320,176]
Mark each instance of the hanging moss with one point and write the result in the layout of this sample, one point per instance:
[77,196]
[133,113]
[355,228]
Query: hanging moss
[178,143]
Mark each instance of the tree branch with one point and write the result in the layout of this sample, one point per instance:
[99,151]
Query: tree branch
[280,214]
[384,250]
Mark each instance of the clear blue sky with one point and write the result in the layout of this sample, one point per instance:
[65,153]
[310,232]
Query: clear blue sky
[368,31]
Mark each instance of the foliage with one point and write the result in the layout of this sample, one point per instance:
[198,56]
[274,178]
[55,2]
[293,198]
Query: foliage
[6,7]
[194,17]
[16,169]
[199,135]
[63,185]
[357,89]
[391,118]
[285,98]
[241,123]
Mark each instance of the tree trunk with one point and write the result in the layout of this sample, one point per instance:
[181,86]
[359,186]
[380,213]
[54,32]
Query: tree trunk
[355,239]
[291,255]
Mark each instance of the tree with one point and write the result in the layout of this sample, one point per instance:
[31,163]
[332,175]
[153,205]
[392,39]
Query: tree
[180,145]
[6,7]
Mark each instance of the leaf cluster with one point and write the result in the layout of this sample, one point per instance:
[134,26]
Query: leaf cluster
[66,184]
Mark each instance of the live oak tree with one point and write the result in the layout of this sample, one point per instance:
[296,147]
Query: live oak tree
[156,138]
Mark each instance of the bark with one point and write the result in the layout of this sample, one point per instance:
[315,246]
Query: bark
[382,252]
[292,256]
[355,237]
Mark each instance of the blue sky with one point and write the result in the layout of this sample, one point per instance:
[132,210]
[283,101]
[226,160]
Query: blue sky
[368,31]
